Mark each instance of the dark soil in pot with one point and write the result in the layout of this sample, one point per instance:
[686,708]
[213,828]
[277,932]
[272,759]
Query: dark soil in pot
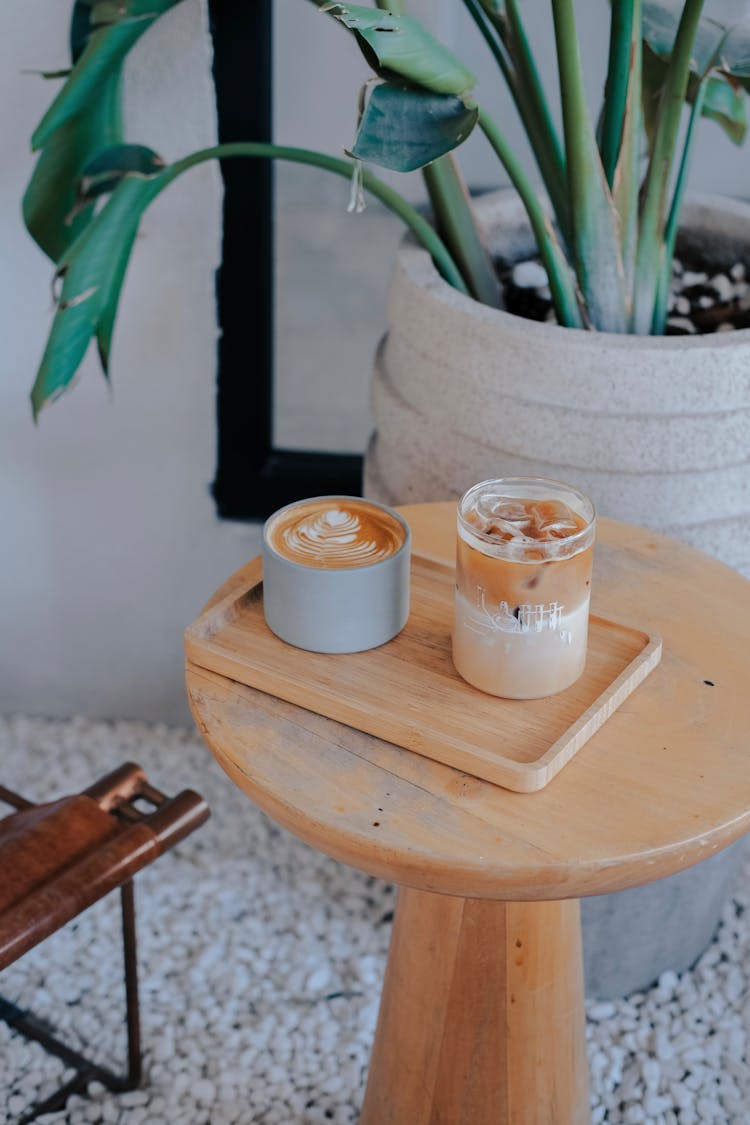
[701,300]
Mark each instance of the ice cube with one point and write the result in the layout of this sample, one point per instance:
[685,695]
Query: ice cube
[509,530]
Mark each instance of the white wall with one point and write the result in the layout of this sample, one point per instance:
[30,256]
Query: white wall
[109,539]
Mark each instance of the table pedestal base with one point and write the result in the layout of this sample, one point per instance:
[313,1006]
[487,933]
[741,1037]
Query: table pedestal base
[481,1020]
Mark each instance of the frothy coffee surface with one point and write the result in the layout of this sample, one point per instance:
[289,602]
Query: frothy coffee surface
[335,533]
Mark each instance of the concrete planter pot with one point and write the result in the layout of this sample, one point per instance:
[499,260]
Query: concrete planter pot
[655,430]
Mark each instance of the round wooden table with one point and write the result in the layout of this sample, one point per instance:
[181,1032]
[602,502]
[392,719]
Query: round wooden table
[481,1019]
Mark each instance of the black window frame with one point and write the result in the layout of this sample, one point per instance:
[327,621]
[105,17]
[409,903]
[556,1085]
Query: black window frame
[253,477]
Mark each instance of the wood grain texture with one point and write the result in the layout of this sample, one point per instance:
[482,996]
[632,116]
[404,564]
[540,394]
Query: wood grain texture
[409,692]
[481,1019]
[663,784]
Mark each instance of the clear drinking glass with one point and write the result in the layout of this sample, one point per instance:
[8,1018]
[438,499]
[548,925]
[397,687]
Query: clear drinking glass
[523,582]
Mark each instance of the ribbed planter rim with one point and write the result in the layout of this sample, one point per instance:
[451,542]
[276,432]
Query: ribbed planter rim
[417,262]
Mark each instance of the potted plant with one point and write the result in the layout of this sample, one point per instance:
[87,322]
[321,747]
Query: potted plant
[655,428]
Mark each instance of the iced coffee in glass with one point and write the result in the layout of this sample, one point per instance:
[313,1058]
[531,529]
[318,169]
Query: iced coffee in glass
[523,581]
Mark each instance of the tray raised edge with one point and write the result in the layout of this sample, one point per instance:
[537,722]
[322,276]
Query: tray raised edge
[521,777]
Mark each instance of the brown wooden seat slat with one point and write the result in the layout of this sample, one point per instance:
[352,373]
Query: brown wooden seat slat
[38,844]
[57,859]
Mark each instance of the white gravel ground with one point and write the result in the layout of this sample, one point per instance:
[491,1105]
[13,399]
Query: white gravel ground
[261,964]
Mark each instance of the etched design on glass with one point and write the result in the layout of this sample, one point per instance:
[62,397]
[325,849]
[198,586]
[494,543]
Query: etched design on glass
[525,618]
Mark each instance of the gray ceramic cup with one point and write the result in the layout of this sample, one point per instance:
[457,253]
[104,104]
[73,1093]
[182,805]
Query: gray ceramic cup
[340,608]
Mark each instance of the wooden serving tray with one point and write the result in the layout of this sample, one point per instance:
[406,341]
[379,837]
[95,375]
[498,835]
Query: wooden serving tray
[408,692]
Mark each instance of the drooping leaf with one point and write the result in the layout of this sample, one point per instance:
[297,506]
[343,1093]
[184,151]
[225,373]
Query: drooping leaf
[103,175]
[404,129]
[111,298]
[734,56]
[724,104]
[399,45]
[80,28]
[717,46]
[661,19]
[104,172]
[92,270]
[102,56]
[51,208]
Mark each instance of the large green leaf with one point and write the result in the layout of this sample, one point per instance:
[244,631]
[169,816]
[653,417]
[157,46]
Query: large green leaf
[102,57]
[92,271]
[404,129]
[93,267]
[717,46]
[111,297]
[399,45]
[661,18]
[50,204]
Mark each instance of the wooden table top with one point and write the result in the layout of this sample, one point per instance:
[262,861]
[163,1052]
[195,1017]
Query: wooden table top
[664,784]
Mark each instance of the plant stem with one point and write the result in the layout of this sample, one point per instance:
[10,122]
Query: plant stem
[654,194]
[673,222]
[596,243]
[626,177]
[537,119]
[492,38]
[511,50]
[560,280]
[618,81]
[457,225]
[423,231]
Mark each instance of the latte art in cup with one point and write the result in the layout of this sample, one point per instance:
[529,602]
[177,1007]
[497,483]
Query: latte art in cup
[336,573]
[334,534]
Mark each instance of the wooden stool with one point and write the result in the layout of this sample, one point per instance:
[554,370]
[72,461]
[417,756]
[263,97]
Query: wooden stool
[481,1019]
[57,859]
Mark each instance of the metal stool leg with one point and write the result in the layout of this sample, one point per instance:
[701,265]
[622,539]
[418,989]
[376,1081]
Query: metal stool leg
[129,947]
[87,1071]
